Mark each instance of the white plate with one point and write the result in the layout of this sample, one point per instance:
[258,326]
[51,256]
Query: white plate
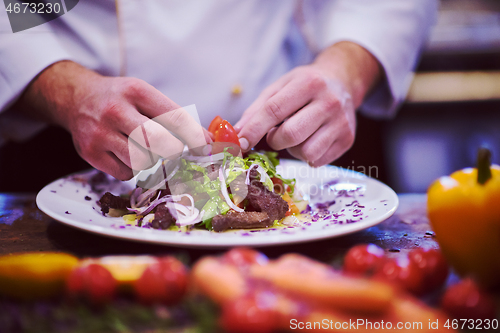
[360,202]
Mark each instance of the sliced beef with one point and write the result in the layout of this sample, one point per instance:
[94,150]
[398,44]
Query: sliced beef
[109,200]
[245,220]
[163,218]
[260,199]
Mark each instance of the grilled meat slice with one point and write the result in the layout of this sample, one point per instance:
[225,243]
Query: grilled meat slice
[260,199]
[163,218]
[109,200]
[244,220]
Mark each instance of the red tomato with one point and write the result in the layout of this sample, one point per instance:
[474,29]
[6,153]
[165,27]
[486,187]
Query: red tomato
[214,124]
[243,256]
[433,266]
[94,282]
[75,283]
[279,187]
[226,133]
[465,300]
[162,282]
[363,259]
[401,272]
[248,315]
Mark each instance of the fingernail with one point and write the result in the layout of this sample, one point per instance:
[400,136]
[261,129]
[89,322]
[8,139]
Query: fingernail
[244,143]
[237,127]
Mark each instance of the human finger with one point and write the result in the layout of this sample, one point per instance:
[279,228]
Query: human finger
[131,153]
[155,105]
[273,111]
[184,126]
[263,96]
[328,143]
[153,137]
[298,127]
[337,149]
[108,162]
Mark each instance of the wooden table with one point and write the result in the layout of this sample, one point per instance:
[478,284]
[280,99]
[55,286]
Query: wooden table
[23,227]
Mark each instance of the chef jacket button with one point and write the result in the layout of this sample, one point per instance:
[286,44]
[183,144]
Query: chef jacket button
[237,89]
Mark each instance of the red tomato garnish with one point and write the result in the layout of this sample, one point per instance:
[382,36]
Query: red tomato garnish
[278,185]
[226,133]
[465,300]
[214,125]
[401,272]
[242,256]
[162,282]
[248,315]
[94,282]
[363,259]
[433,266]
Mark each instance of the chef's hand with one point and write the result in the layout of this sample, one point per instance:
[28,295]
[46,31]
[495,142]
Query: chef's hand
[110,118]
[310,111]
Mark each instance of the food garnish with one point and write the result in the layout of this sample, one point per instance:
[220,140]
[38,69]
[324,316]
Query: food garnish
[217,192]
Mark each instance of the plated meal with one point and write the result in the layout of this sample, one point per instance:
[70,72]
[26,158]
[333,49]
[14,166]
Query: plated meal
[340,202]
[215,197]
[216,192]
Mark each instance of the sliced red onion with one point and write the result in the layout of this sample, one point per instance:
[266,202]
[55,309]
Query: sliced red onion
[247,180]
[223,188]
[134,195]
[260,170]
[185,215]
[180,196]
[141,199]
[151,206]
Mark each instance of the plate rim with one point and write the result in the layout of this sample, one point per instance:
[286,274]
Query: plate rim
[218,243]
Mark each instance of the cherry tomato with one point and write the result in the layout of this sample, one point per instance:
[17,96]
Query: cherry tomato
[432,265]
[465,300]
[279,187]
[243,256]
[94,282]
[162,282]
[401,272]
[214,125]
[226,133]
[363,259]
[248,315]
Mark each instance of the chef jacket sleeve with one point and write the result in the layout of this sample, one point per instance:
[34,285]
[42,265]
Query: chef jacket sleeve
[87,35]
[23,55]
[391,30]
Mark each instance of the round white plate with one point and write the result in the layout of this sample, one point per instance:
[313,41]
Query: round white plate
[357,202]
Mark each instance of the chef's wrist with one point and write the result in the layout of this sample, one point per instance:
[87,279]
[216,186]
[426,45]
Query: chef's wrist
[353,65]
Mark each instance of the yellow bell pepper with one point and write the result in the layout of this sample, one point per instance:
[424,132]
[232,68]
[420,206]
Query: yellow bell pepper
[464,212]
[34,275]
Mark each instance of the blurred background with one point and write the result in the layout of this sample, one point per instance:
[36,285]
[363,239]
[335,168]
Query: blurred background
[453,107]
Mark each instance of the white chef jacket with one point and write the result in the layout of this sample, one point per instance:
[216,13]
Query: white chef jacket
[196,51]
